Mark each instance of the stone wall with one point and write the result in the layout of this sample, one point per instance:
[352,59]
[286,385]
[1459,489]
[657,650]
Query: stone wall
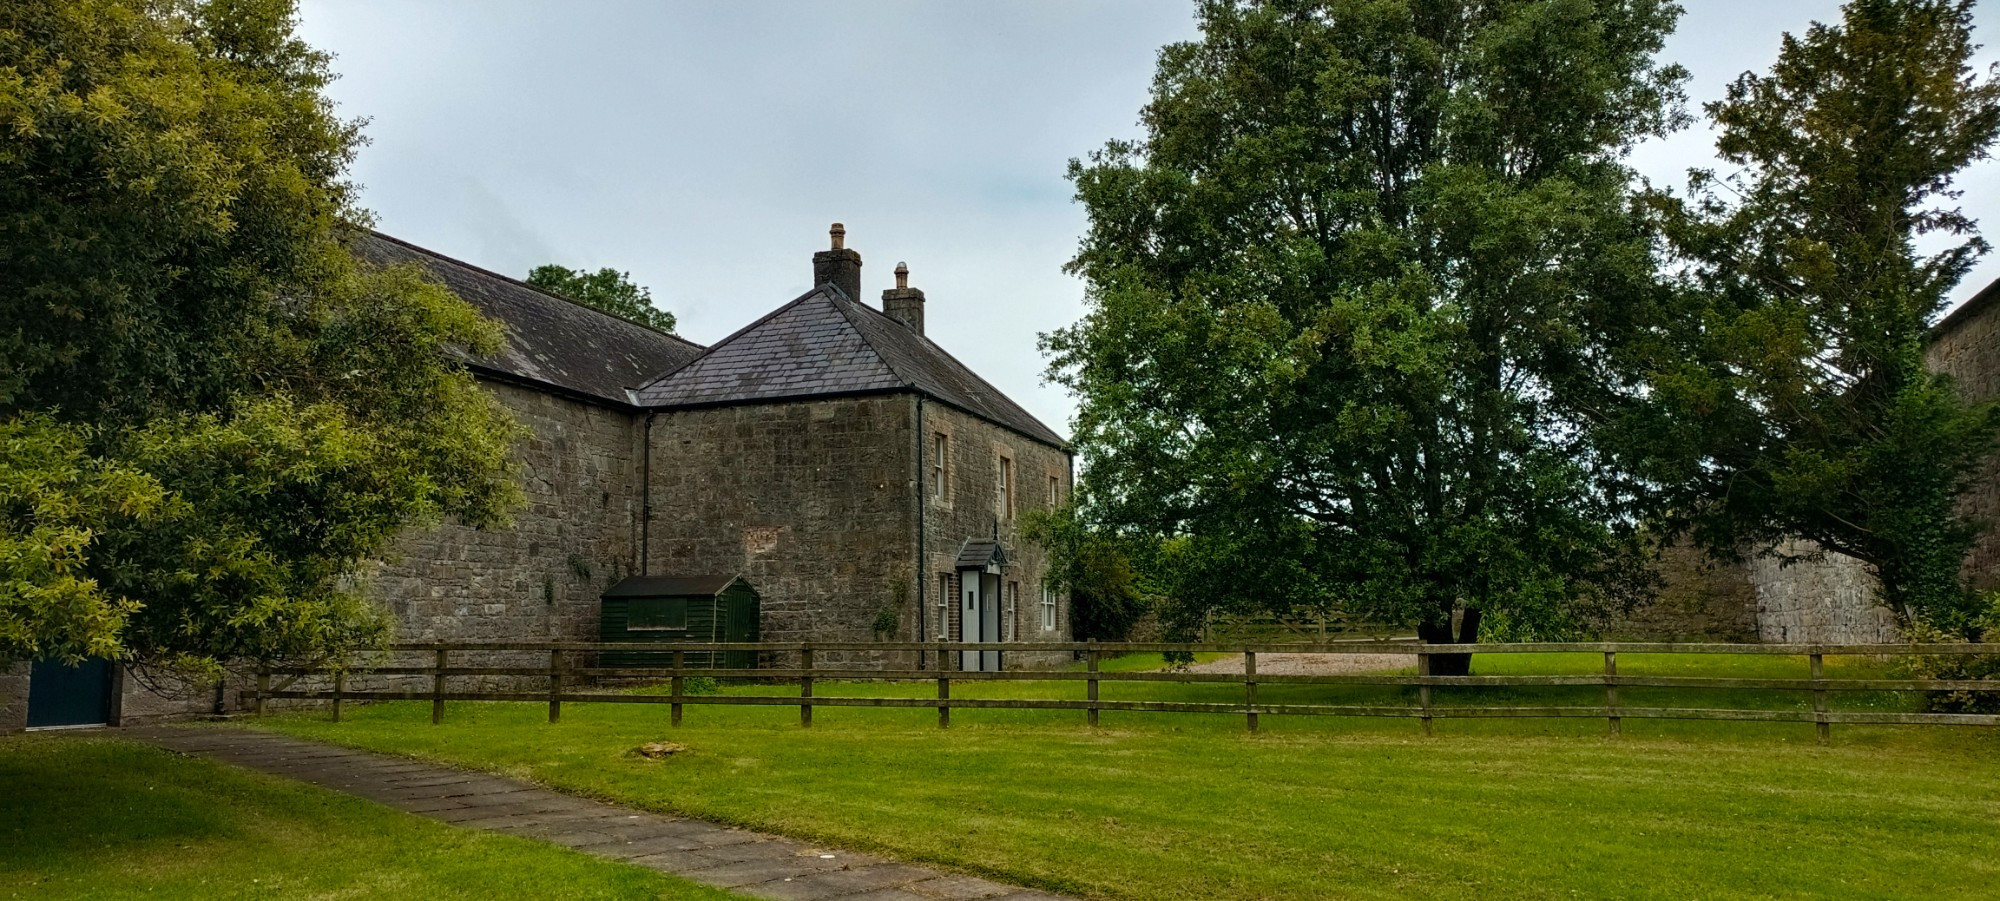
[538,579]
[810,501]
[971,508]
[1699,600]
[1825,600]
[1967,348]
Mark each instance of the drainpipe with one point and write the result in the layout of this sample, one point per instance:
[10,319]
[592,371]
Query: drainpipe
[922,577]
[646,498]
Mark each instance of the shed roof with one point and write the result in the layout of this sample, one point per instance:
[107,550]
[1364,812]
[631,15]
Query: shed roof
[551,340]
[825,343]
[671,586]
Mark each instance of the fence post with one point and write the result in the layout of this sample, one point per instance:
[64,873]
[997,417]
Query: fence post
[1090,714]
[1424,690]
[1820,725]
[437,688]
[263,688]
[806,686]
[944,687]
[676,690]
[339,682]
[1250,687]
[555,685]
[1611,690]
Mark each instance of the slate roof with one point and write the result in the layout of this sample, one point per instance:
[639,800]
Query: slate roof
[978,553]
[826,343]
[670,586]
[550,340]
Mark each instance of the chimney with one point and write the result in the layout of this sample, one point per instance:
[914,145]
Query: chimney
[838,267]
[903,302]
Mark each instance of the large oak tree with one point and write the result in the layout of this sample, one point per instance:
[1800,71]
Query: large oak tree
[1347,300]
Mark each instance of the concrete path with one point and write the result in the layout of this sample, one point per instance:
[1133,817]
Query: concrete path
[751,863]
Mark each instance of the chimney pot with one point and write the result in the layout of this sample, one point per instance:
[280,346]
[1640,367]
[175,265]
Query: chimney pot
[839,233]
[902,275]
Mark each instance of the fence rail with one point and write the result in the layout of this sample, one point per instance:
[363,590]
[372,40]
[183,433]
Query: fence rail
[567,662]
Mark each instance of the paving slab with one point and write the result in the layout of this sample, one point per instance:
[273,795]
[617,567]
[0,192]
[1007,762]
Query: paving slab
[748,862]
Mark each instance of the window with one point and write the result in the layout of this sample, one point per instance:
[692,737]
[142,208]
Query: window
[1048,610]
[1055,490]
[1005,483]
[1013,619]
[944,607]
[940,467]
[656,614]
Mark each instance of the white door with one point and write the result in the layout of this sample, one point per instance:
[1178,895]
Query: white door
[969,619]
[989,620]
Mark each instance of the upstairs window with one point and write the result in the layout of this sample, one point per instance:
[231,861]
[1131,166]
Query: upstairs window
[940,467]
[1005,483]
[1055,491]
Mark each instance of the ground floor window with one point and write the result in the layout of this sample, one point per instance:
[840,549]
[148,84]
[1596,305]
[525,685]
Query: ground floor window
[945,598]
[1048,610]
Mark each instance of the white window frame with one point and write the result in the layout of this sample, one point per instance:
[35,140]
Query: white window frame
[941,467]
[1013,605]
[946,596]
[1055,490]
[1005,483]
[1048,609]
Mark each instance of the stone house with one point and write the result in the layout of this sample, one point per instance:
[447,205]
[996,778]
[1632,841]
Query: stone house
[829,452]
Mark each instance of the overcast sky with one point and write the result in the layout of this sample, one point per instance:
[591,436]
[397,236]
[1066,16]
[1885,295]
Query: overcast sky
[705,147]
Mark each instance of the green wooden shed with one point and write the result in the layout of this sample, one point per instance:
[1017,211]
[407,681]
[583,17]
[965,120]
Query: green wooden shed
[696,609]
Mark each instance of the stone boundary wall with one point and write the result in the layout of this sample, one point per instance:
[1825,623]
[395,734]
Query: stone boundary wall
[1828,600]
[1699,600]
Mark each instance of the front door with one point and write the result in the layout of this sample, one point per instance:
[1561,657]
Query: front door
[989,620]
[62,695]
[978,619]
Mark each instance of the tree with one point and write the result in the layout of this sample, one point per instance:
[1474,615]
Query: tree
[1345,302]
[210,414]
[606,289]
[1807,358]
[1095,568]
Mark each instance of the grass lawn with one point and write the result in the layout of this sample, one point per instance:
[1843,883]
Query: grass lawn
[1190,806]
[101,818]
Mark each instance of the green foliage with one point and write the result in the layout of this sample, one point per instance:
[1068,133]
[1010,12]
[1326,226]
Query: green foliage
[700,685]
[1801,403]
[55,501]
[1095,567]
[181,316]
[1985,626]
[606,289]
[1351,303]
[888,621]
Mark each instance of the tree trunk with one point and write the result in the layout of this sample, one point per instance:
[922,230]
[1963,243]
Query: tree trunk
[1440,632]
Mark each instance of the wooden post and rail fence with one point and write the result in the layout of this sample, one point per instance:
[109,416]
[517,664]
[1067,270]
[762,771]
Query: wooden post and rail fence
[453,661]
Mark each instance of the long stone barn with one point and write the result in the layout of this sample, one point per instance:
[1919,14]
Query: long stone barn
[829,453]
